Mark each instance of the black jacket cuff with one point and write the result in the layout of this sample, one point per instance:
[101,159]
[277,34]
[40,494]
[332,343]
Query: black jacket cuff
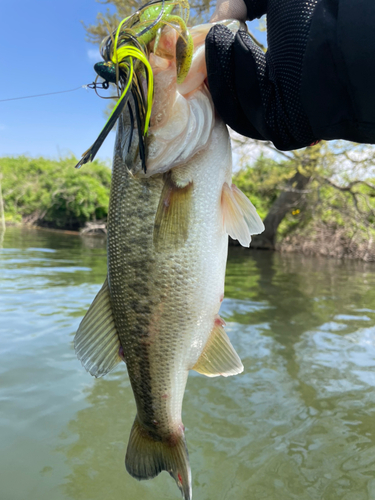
[255,8]
[338,77]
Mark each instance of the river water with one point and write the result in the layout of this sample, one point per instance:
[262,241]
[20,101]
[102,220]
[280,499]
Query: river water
[299,423]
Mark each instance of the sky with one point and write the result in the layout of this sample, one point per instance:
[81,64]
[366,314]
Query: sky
[44,50]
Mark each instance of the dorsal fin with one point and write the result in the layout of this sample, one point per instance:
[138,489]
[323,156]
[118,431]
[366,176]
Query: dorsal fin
[96,342]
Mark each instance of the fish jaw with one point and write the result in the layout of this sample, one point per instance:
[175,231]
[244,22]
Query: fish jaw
[172,146]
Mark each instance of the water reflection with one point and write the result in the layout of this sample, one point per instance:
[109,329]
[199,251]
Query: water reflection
[52,257]
[298,424]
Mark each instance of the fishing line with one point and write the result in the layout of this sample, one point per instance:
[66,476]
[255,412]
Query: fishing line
[42,95]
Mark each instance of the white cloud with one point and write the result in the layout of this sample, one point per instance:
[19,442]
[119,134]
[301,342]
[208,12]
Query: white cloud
[94,55]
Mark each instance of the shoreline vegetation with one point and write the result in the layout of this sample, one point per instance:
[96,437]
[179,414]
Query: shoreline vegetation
[328,220]
[52,193]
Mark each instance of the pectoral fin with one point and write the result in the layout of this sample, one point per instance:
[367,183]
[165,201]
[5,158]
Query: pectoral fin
[218,356]
[96,342]
[239,215]
[172,216]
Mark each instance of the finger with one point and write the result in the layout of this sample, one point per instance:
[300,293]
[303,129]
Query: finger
[221,73]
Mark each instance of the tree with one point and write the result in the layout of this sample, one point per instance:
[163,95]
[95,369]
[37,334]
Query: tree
[53,193]
[2,215]
[118,9]
[319,194]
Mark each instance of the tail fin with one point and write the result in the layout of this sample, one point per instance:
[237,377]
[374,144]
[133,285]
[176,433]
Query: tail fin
[146,458]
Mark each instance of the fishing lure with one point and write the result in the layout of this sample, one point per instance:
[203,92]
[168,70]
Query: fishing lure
[125,54]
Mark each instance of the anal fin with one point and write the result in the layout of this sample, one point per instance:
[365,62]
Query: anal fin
[96,342]
[239,215]
[218,356]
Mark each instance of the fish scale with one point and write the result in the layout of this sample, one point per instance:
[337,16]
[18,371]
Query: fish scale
[129,272]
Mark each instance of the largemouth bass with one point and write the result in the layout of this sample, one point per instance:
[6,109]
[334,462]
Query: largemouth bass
[167,249]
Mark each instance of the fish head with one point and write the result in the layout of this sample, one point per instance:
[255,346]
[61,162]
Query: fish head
[182,115]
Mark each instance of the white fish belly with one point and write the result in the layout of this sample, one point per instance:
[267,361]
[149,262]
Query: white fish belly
[192,278]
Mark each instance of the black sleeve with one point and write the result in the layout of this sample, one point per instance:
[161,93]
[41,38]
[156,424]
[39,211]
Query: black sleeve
[338,79]
[315,82]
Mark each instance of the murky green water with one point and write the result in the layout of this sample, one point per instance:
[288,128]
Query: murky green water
[298,424]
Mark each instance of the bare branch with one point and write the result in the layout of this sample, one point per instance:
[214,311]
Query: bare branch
[292,190]
[355,201]
[348,187]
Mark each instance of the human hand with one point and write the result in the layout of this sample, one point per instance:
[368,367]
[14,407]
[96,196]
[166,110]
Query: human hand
[258,94]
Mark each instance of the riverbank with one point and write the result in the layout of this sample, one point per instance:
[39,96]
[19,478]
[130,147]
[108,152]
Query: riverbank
[52,194]
[324,242]
[328,241]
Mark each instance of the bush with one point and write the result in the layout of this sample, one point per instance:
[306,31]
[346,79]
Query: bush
[333,214]
[54,193]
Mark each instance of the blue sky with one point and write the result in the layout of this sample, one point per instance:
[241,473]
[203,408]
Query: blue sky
[44,50]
